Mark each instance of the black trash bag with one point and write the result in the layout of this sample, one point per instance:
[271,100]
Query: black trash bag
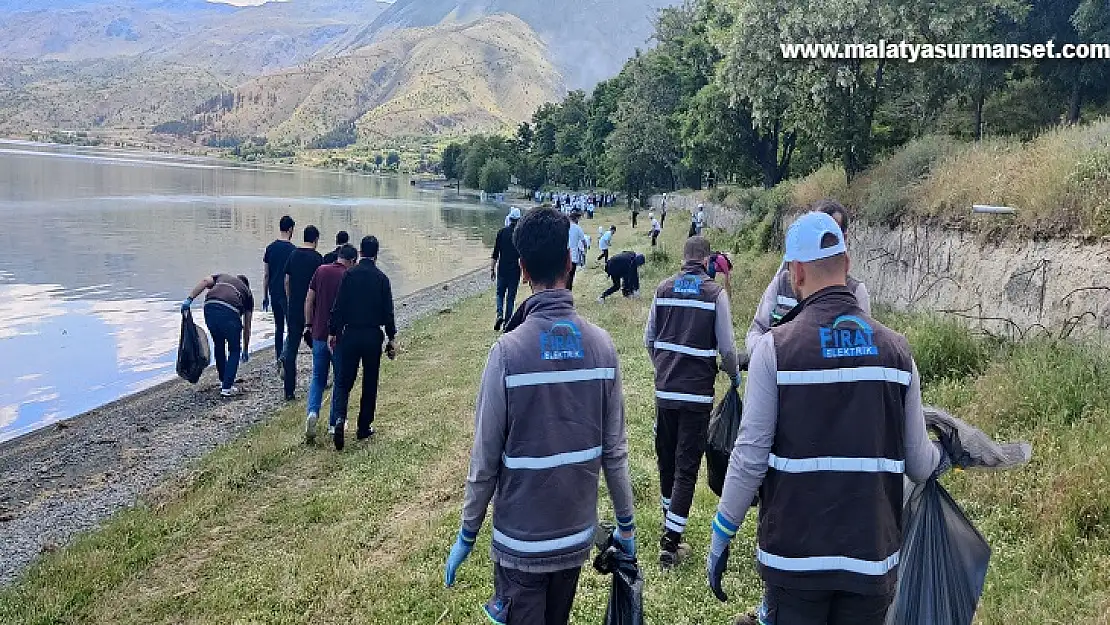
[626,595]
[724,425]
[193,355]
[944,562]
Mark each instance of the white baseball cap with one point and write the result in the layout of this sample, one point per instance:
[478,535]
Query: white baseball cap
[803,239]
[514,214]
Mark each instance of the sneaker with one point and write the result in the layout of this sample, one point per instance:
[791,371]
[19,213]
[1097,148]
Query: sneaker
[497,324]
[669,560]
[601,300]
[337,436]
[331,430]
[367,434]
[310,427]
[230,392]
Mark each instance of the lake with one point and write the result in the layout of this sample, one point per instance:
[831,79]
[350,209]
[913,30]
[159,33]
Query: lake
[98,247]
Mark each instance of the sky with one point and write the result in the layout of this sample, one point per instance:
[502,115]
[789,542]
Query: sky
[254,3]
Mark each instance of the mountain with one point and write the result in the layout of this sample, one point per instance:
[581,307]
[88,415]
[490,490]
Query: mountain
[589,39]
[482,75]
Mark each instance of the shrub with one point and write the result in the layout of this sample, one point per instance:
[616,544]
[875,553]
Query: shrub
[494,176]
[826,182]
[885,192]
[943,348]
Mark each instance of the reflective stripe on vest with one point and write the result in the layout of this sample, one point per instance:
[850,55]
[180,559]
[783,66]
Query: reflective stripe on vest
[828,563]
[581,539]
[682,349]
[559,377]
[847,374]
[845,465]
[685,303]
[551,462]
[695,399]
[787,301]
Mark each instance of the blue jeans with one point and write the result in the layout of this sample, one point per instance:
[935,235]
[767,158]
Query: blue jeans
[226,329]
[506,294]
[323,361]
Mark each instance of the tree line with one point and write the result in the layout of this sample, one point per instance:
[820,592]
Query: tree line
[714,101]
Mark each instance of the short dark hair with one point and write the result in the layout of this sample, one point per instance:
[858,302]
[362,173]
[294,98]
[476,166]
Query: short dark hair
[541,239]
[244,280]
[832,208]
[348,252]
[369,246]
[341,237]
[286,224]
[612,228]
[696,248]
[311,234]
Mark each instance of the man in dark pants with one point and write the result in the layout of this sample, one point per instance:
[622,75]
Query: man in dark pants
[227,313]
[549,420]
[363,307]
[341,239]
[299,269]
[832,426]
[277,254]
[688,326]
[624,270]
[505,269]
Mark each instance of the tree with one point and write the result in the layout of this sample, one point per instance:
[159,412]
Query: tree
[494,176]
[452,155]
[393,161]
[378,160]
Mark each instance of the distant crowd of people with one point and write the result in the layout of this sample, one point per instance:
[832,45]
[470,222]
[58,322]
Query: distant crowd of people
[339,304]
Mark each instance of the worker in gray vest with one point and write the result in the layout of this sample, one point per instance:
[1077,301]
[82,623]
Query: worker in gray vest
[688,326]
[550,419]
[779,298]
[832,423]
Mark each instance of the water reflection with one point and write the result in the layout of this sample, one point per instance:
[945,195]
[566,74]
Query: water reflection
[99,247]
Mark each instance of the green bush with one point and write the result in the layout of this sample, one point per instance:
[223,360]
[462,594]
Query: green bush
[884,193]
[494,176]
[942,348]
[768,209]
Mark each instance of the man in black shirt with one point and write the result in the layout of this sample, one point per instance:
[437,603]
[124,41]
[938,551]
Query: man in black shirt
[362,308]
[624,270]
[505,269]
[277,254]
[341,239]
[303,262]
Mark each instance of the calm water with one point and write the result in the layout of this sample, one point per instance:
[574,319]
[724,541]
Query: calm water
[99,247]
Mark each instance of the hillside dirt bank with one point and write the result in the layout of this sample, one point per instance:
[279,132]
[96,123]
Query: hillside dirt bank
[66,479]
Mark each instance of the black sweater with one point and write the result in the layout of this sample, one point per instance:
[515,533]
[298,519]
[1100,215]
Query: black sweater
[364,302]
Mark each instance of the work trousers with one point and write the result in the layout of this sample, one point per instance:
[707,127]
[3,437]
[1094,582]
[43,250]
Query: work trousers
[785,606]
[507,284]
[680,438]
[570,276]
[654,236]
[358,346]
[289,355]
[604,256]
[277,305]
[613,289]
[532,598]
[226,329]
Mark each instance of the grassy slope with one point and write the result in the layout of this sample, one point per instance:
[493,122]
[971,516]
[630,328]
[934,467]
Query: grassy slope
[268,530]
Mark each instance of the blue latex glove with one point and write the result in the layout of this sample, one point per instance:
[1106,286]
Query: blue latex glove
[736,379]
[459,552]
[717,560]
[625,535]
[245,358]
[186,304]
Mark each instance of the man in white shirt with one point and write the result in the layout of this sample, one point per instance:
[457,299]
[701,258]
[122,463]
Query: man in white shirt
[656,228]
[604,242]
[577,244]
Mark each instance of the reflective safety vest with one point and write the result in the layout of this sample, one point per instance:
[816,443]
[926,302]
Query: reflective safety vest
[785,300]
[831,512]
[685,348]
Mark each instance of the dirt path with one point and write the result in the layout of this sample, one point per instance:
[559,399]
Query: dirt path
[68,478]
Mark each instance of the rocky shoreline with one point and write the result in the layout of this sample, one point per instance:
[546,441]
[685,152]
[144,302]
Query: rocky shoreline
[68,478]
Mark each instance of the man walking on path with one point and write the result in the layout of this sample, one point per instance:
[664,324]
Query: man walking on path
[299,269]
[832,423]
[227,313]
[322,291]
[341,239]
[576,244]
[362,308]
[604,242]
[549,420]
[277,254]
[656,229]
[779,298]
[505,270]
[688,326]
[624,270]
